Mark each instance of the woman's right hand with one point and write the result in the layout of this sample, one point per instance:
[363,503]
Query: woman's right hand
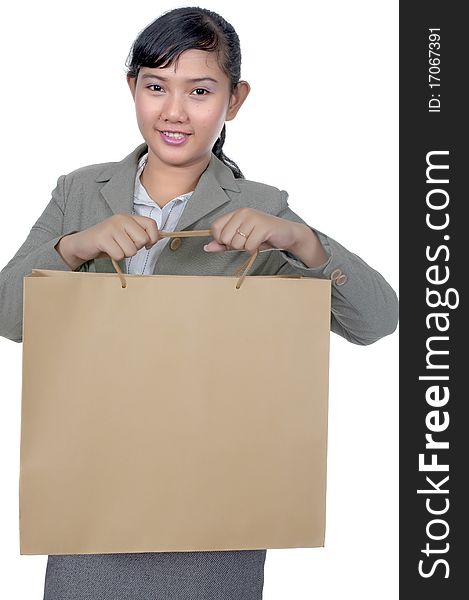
[119,236]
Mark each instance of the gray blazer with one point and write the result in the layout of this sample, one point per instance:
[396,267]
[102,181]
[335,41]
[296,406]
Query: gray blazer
[364,307]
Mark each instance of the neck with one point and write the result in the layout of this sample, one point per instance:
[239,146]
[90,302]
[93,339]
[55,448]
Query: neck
[164,182]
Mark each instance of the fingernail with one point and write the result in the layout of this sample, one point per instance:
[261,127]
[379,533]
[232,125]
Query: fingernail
[205,248]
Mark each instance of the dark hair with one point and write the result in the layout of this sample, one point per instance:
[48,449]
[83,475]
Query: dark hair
[180,29]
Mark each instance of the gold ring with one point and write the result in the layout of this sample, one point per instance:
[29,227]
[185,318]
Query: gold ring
[241,233]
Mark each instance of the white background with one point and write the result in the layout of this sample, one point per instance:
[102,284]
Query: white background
[321,122]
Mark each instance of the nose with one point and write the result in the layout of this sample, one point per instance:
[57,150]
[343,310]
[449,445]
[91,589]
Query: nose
[173,109]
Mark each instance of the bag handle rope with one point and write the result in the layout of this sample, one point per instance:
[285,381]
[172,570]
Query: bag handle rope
[241,271]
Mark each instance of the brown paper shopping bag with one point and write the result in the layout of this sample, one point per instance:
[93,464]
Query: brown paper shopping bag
[203,431]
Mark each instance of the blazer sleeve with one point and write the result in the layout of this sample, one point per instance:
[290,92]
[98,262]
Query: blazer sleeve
[364,307]
[37,252]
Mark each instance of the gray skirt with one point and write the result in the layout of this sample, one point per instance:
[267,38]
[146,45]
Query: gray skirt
[213,575]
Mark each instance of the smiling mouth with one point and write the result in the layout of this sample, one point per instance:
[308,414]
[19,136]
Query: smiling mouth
[173,132]
[174,139]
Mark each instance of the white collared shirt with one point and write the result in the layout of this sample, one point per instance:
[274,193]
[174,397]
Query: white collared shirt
[166,218]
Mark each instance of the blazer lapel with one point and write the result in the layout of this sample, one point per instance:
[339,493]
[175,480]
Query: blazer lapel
[209,194]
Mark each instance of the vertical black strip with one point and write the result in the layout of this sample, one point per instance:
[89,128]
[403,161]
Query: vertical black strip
[434,234]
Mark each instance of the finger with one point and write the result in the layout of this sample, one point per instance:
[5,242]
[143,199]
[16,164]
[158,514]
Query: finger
[219,224]
[134,231]
[111,249]
[257,240]
[214,246]
[150,227]
[239,241]
[230,235]
[126,243]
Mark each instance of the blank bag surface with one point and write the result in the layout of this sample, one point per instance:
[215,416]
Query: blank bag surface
[175,414]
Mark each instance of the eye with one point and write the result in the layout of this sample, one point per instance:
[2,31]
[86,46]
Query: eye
[153,85]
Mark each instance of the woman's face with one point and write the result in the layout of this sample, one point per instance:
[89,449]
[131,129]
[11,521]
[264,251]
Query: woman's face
[170,99]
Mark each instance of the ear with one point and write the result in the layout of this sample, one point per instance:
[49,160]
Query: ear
[238,96]
[132,81]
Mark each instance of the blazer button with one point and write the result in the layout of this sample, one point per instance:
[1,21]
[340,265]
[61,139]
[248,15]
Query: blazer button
[341,279]
[336,273]
[175,243]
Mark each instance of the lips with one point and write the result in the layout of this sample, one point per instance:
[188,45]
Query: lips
[173,141]
[174,131]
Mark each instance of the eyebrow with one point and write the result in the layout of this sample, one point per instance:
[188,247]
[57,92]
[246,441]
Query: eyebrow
[193,80]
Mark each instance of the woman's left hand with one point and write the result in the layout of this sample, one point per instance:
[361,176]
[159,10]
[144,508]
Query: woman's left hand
[262,231]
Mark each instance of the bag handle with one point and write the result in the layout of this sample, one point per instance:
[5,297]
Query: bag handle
[240,271]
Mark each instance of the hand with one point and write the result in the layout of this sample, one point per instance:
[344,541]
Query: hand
[263,231]
[119,236]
